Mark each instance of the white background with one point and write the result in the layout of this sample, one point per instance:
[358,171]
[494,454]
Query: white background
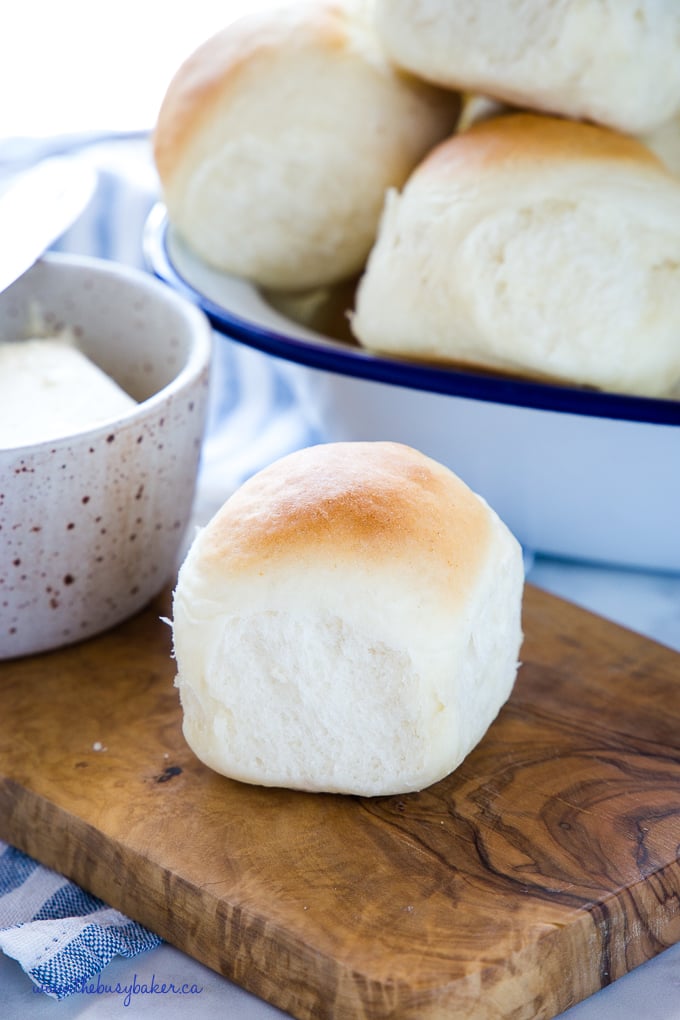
[72,65]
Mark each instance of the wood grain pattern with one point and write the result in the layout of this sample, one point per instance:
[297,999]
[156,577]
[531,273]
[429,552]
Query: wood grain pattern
[545,867]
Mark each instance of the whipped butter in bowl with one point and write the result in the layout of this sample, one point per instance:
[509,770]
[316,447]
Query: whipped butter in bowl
[49,388]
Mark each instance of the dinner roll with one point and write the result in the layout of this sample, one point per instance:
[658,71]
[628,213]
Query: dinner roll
[277,139]
[615,63]
[348,622]
[539,246]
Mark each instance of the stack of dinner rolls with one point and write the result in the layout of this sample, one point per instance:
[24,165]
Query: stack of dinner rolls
[503,178]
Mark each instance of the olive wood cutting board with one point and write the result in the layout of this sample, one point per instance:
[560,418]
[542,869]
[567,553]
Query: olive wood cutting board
[544,868]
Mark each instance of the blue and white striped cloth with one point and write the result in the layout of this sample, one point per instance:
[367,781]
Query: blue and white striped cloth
[60,935]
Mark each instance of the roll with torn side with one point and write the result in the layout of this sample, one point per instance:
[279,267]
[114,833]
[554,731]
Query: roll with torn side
[278,137]
[537,246]
[348,622]
[613,63]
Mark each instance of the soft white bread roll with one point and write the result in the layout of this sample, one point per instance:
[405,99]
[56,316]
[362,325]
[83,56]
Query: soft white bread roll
[277,138]
[348,622]
[616,63]
[534,245]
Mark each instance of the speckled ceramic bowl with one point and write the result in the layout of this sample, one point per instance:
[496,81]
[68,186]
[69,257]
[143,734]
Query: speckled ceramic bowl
[91,525]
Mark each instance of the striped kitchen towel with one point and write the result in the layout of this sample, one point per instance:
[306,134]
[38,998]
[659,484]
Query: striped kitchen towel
[60,935]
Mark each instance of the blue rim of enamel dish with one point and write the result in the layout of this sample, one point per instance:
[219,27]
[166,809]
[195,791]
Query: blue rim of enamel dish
[334,356]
